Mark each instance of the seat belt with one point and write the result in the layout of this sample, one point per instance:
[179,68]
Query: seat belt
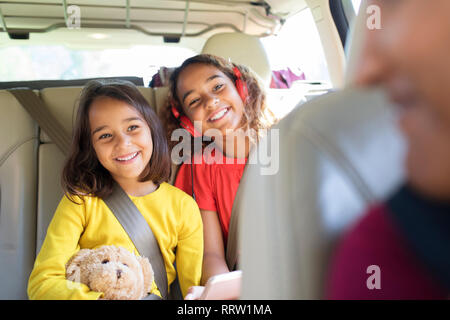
[39,112]
[232,242]
[139,232]
[118,202]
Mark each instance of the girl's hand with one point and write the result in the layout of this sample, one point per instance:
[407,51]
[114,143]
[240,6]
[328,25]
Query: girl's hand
[194,293]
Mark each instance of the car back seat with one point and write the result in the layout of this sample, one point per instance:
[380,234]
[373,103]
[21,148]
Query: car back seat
[160,94]
[62,103]
[30,167]
[30,188]
[18,191]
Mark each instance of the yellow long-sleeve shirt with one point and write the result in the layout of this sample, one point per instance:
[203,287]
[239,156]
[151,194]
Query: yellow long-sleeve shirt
[173,216]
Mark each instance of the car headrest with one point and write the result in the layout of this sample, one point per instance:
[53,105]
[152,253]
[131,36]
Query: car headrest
[338,154]
[242,49]
[62,102]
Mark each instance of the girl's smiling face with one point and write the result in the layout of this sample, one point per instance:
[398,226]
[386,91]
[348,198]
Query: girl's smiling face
[121,138]
[208,96]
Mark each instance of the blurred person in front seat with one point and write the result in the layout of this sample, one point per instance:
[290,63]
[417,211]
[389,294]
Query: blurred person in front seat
[401,248]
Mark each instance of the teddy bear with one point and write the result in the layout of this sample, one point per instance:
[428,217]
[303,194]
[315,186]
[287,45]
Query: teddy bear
[115,271]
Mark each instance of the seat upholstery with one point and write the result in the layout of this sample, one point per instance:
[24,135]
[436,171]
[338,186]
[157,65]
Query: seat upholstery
[338,154]
[242,49]
[62,103]
[18,189]
[50,162]
[160,98]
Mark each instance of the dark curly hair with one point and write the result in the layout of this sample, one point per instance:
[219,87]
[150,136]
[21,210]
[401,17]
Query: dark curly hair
[256,114]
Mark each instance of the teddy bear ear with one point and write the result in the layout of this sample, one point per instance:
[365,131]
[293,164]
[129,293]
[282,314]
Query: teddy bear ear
[73,266]
[147,271]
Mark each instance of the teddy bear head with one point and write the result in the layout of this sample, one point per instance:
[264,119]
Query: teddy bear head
[115,271]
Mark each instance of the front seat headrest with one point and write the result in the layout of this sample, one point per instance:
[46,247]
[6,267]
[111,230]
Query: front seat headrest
[242,49]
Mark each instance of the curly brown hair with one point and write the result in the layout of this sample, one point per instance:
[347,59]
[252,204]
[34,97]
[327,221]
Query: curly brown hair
[256,114]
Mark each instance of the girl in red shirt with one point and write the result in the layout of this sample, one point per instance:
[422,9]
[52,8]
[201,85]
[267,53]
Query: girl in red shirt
[218,102]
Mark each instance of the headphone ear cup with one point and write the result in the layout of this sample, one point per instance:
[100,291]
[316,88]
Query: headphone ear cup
[241,86]
[184,121]
[175,112]
[242,89]
[189,126]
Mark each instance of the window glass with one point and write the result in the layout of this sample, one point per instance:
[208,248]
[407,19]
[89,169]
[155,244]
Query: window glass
[297,46]
[58,62]
[296,50]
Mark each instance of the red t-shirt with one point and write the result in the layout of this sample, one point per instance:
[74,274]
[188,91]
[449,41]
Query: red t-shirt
[375,240]
[215,185]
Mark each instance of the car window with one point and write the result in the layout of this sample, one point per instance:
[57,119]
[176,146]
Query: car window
[297,49]
[44,62]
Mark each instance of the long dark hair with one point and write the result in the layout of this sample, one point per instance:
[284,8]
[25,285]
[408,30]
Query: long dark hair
[83,174]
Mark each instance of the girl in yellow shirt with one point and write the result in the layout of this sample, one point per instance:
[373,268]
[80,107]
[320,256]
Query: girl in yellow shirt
[117,138]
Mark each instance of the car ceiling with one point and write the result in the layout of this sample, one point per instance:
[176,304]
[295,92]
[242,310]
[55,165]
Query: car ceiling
[126,22]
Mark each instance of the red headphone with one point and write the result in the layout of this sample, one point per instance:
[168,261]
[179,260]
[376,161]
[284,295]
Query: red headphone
[241,87]
[184,121]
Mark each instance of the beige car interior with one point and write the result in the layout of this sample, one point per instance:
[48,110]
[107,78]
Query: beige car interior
[285,241]
[30,164]
[331,167]
[338,154]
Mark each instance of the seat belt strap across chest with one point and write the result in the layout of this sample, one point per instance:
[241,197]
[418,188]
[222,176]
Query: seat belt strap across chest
[37,109]
[118,202]
[140,234]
